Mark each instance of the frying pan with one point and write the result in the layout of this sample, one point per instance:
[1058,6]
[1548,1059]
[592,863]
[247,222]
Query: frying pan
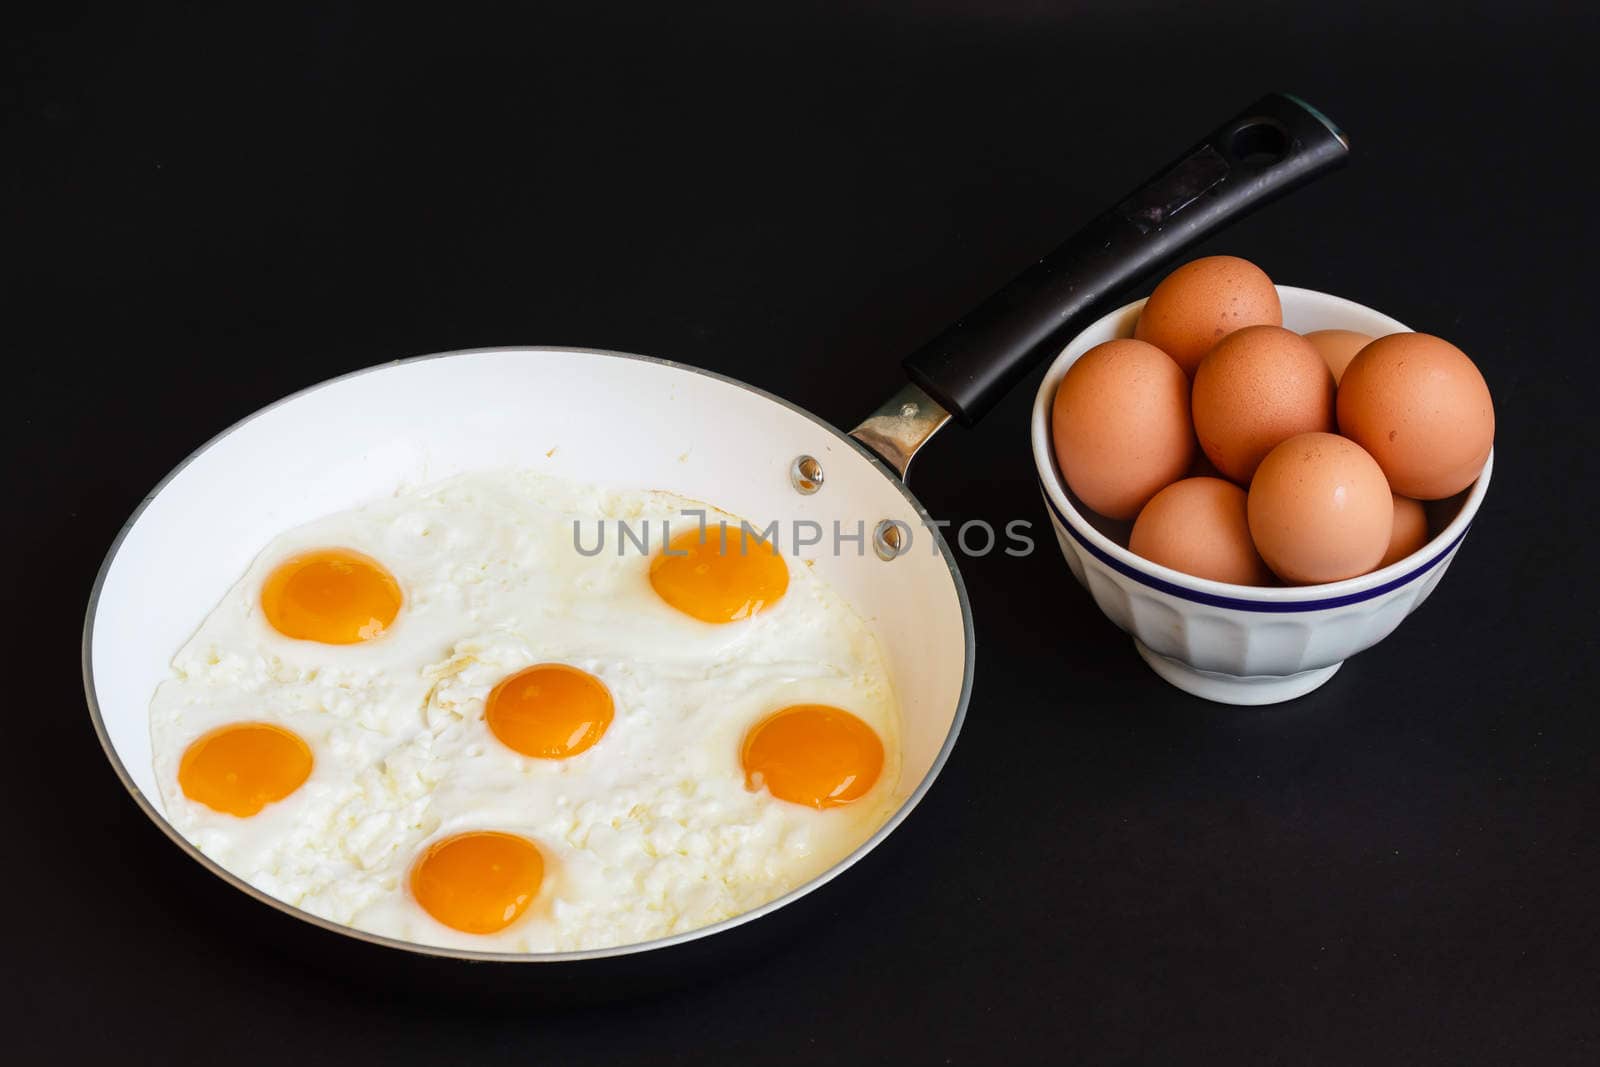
[630,421]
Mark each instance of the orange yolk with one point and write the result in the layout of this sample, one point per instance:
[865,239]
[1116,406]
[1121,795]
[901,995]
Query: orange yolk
[696,576]
[812,754]
[241,768]
[478,882]
[334,595]
[551,711]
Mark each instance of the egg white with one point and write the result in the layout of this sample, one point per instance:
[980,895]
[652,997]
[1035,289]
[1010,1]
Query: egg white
[649,833]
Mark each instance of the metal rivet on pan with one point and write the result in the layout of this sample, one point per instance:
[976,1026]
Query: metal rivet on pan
[806,475]
[891,539]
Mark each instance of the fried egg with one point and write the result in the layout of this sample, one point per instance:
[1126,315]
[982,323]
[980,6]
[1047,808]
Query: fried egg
[439,718]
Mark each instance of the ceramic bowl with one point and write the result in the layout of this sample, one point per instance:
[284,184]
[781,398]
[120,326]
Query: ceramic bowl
[1232,643]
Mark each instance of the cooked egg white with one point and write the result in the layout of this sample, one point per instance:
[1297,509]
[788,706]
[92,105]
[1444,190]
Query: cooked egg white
[650,832]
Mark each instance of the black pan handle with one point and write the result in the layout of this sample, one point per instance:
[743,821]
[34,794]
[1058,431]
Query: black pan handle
[1275,145]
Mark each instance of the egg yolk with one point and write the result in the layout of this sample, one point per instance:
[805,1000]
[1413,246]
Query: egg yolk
[478,882]
[334,595]
[812,754]
[241,768]
[723,576]
[551,711]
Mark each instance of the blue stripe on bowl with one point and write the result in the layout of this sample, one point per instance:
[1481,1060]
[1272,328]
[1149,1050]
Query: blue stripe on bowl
[1238,603]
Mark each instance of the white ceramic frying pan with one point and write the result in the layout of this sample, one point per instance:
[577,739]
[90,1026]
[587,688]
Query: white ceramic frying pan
[629,421]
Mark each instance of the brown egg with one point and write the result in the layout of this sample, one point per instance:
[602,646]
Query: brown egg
[1338,348]
[1320,510]
[1198,526]
[1121,426]
[1202,302]
[1420,406]
[1410,531]
[1257,387]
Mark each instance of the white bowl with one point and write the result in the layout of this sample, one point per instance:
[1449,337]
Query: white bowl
[1240,644]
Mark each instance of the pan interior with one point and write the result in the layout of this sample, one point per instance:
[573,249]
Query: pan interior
[601,418]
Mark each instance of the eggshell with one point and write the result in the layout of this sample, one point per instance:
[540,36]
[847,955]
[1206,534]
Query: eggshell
[1199,526]
[1409,532]
[1202,302]
[1423,410]
[1259,386]
[1121,426]
[1338,348]
[1320,510]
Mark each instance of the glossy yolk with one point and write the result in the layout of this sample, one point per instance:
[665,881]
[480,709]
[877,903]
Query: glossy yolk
[696,576]
[812,754]
[334,595]
[478,882]
[551,711]
[241,768]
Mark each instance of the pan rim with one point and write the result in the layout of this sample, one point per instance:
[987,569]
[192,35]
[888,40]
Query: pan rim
[912,799]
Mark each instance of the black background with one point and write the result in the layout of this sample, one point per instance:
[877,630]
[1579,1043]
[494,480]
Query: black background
[206,211]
